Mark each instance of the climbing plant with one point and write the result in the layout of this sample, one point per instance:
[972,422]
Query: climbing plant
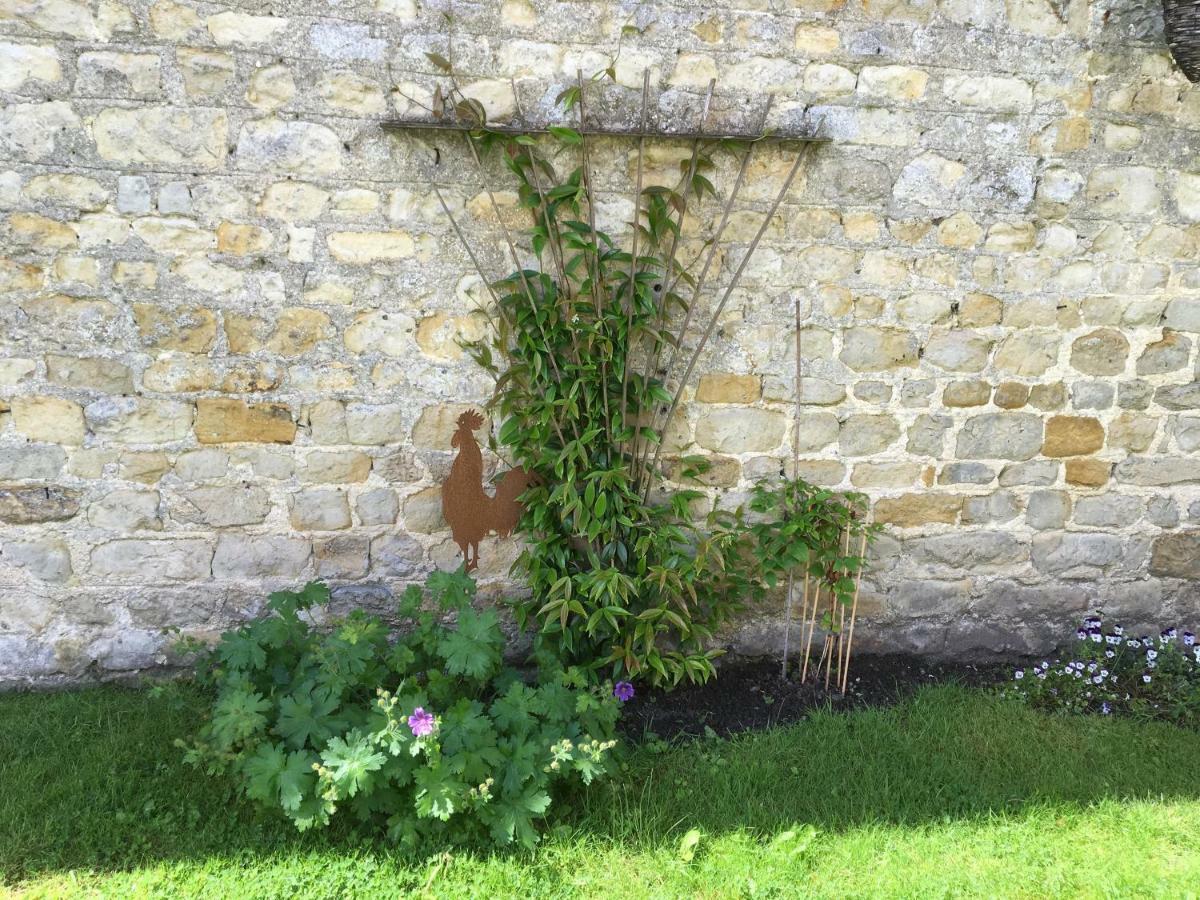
[589,350]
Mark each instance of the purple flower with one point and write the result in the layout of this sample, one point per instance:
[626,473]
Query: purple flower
[1168,634]
[1146,677]
[1151,654]
[1188,639]
[1019,674]
[1105,709]
[1147,641]
[623,691]
[1095,636]
[1080,634]
[1118,630]
[420,722]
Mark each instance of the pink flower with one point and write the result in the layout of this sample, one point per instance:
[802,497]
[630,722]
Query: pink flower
[420,722]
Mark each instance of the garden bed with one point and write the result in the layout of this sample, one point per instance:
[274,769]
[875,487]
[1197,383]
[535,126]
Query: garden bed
[750,696]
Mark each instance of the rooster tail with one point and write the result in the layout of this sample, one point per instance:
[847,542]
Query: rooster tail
[505,508]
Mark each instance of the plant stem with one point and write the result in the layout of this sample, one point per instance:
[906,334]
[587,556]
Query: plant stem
[633,298]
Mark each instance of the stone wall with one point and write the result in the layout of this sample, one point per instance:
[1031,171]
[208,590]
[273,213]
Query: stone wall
[230,305]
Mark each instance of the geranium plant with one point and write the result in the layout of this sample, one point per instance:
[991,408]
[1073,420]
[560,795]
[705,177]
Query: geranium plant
[426,733]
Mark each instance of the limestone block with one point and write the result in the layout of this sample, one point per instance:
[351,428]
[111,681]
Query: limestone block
[31,504]
[271,87]
[740,430]
[1072,555]
[1014,436]
[377,507]
[205,72]
[864,434]
[366,247]
[175,136]
[396,555]
[260,556]
[304,148]
[374,424]
[892,82]
[139,420]
[1109,510]
[65,189]
[104,73]
[231,27]
[134,560]
[188,329]
[1119,191]
[871,349]
[31,461]
[1072,436]
[914,510]
[47,559]
[1176,555]
[125,511]
[226,420]
[335,467]
[20,63]
[319,509]
[344,556]
[1100,352]
[51,419]
[221,506]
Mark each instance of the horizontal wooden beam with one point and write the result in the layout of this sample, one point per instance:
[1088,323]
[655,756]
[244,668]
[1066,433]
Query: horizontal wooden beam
[400,125]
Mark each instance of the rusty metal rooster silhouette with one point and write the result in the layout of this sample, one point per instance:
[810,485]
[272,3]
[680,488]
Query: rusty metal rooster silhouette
[467,507]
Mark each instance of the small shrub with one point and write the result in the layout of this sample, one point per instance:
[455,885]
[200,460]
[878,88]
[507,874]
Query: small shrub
[429,735]
[1110,672]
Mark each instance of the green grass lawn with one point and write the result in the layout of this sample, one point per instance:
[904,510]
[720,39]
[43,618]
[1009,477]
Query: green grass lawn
[953,793]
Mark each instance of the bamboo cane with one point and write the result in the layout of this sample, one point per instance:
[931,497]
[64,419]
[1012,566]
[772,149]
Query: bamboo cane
[854,611]
[787,625]
[812,623]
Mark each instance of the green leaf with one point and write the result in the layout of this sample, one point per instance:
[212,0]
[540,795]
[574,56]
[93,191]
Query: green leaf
[306,716]
[568,136]
[473,648]
[351,761]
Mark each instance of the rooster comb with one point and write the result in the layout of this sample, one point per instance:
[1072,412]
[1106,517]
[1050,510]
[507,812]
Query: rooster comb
[470,420]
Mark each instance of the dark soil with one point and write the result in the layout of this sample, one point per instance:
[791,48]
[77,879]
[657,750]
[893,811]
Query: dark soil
[752,695]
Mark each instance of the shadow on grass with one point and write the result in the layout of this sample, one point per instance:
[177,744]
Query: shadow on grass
[91,780]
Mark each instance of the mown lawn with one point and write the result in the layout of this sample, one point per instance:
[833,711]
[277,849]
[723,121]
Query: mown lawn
[953,793]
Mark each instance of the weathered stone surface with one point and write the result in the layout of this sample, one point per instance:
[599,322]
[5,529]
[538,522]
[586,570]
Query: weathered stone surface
[377,507]
[1179,396]
[29,504]
[167,136]
[1108,510]
[125,511]
[869,349]
[47,559]
[1072,436]
[319,509]
[911,510]
[197,207]
[740,430]
[222,420]
[137,420]
[1048,509]
[1158,471]
[1101,352]
[221,506]
[1000,436]
[1176,555]
[126,559]
[396,556]
[862,435]
[1076,555]
[260,556]
[1167,355]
